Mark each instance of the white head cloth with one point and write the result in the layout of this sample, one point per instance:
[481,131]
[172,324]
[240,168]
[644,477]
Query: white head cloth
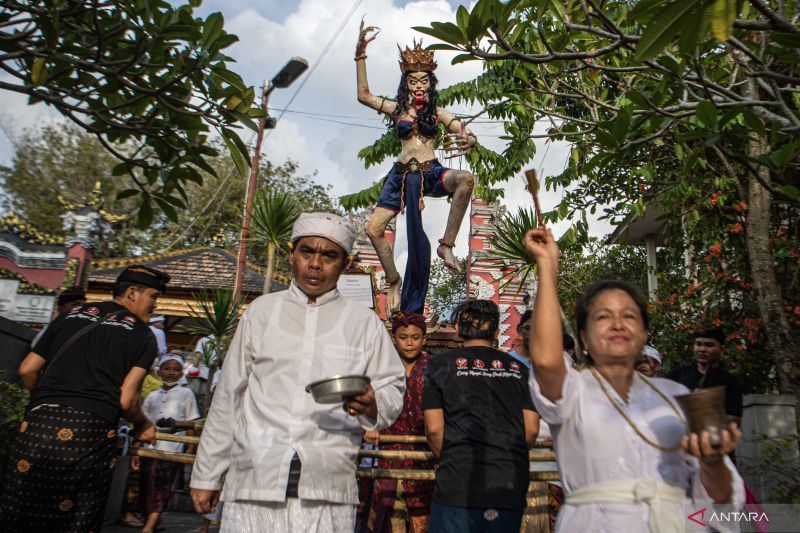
[651,352]
[157,318]
[331,227]
[170,357]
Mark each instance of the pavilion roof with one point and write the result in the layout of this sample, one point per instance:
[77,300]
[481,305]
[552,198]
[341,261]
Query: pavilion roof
[190,271]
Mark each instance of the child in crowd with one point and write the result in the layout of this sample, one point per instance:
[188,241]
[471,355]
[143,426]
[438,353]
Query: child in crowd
[167,404]
[649,362]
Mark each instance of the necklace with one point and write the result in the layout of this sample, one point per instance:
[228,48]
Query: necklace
[630,422]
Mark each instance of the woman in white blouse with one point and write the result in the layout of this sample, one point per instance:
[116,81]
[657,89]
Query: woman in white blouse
[625,460]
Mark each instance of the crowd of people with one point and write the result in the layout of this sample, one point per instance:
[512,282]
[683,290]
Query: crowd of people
[282,462]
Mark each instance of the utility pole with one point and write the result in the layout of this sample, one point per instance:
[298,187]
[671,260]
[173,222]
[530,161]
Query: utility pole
[244,237]
[290,72]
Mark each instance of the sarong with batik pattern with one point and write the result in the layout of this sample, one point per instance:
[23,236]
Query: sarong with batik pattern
[156,479]
[59,472]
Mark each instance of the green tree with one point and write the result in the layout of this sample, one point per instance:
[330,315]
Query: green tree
[213,213]
[57,164]
[447,287]
[216,314]
[688,104]
[150,80]
[274,214]
[13,400]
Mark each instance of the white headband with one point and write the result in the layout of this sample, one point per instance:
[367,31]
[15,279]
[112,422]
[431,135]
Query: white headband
[327,225]
[649,351]
[170,357]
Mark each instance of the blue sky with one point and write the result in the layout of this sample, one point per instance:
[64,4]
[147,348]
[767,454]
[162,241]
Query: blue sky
[325,127]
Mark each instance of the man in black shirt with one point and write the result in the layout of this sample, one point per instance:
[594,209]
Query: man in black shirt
[84,372]
[479,423]
[708,347]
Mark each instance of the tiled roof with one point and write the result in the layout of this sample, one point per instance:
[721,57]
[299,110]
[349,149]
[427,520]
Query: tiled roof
[191,270]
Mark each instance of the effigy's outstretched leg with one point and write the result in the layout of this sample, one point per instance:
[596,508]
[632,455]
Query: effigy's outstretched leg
[376,231]
[461,183]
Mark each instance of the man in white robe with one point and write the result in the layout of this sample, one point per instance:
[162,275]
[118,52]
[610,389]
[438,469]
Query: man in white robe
[289,463]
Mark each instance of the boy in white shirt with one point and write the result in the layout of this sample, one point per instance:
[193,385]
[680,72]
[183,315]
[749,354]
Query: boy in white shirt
[164,405]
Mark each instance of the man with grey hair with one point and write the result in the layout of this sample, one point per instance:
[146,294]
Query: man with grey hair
[288,462]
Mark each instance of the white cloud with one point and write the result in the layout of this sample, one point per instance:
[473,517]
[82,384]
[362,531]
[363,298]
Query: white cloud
[272,31]
[16,116]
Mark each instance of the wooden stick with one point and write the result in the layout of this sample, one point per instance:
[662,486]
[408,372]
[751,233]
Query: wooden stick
[402,439]
[196,425]
[533,186]
[430,475]
[419,439]
[389,473]
[408,455]
[386,439]
[185,458]
[185,439]
[397,455]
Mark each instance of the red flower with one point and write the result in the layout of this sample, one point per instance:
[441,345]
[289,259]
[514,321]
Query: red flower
[737,228]
[716,249]
[741,206]
[715,197]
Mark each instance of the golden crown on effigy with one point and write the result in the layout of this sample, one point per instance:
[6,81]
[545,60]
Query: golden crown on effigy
[416,59]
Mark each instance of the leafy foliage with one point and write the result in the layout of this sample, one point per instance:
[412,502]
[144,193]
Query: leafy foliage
[274,214]
[216,313]
[778,463]
[149,80]
[447,287]
[675,103]
[362,199]
[13,399]
[65,163]
[508,243]
[213,213]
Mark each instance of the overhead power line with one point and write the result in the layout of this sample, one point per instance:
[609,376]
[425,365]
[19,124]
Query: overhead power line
[319,59]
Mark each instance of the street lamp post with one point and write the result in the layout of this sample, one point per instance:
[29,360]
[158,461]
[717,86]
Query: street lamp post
[288,74]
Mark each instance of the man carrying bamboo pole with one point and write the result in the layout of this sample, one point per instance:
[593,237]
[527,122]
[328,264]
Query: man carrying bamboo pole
[480,422]
[85,371]
[289,463]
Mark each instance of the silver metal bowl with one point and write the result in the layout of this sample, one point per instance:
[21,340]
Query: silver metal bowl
[333,390]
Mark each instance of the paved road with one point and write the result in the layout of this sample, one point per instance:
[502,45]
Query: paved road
[172,523]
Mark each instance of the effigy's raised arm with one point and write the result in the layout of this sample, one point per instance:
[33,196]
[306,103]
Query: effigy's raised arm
[367,34]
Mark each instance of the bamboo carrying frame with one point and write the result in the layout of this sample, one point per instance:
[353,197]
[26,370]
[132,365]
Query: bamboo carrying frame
[370,473]
[535,518]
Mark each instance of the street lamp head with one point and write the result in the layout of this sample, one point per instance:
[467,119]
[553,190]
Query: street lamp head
[290,72]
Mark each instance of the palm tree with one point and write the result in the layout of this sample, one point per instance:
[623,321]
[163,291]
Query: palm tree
[216,314]
[508,246]
[274,214]
[508,243]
